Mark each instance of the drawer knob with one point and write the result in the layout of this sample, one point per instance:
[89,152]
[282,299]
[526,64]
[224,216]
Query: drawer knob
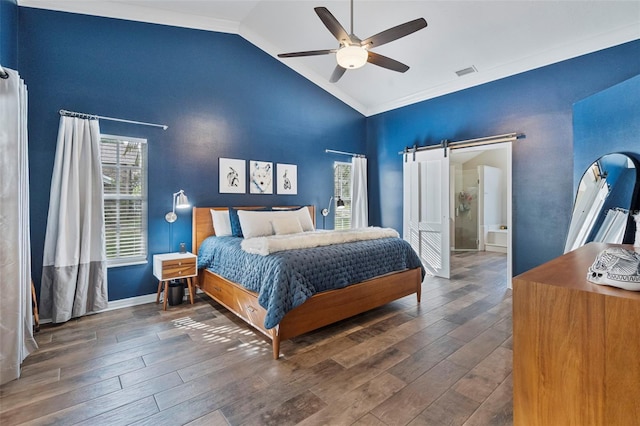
[179,263]
[251,309]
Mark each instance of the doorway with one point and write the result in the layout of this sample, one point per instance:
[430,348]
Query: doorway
[478,199]
[480,185]
[473,212]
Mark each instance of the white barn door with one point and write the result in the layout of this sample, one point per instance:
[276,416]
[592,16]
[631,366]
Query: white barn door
[426,209]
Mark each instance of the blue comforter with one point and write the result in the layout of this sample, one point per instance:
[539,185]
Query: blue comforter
[284,280]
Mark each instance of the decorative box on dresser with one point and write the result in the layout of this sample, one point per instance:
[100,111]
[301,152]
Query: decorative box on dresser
[576,346]
[170,266]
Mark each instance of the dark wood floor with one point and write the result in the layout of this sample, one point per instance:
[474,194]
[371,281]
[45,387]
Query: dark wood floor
[446,361]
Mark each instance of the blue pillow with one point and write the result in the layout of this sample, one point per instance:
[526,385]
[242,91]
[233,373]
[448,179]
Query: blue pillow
[236,229]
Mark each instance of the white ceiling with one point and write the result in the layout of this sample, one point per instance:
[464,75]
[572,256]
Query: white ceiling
[498,38]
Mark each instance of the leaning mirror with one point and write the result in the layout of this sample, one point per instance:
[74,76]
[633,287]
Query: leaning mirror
[605,196]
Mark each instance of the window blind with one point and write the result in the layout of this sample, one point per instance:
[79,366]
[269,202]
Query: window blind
[342,189]
[124,175]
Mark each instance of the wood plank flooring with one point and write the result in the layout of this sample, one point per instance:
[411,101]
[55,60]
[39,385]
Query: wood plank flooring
[446,361]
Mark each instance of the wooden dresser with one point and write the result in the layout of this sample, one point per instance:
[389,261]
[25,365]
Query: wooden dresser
[576,346]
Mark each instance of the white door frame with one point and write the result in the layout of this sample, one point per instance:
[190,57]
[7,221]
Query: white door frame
[509,196]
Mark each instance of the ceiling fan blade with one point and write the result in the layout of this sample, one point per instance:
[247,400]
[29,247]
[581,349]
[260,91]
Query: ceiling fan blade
[388,63]
[395,33]
[333,25]
[308,53]
[337,73]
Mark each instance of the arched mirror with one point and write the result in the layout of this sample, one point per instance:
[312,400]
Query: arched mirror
[606,196]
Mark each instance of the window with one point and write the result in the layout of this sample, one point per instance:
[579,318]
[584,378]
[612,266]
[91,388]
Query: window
[124,178]
[342,189]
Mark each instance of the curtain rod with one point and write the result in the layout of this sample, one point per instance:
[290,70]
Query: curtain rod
[3,74]
[488,140]
[333,151]
[93,116]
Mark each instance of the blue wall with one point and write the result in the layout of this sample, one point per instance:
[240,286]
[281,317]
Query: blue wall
[537,103]
[220,96]
[608,122]
[9,34]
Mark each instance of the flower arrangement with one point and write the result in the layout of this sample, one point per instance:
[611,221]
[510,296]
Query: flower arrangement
[464,201]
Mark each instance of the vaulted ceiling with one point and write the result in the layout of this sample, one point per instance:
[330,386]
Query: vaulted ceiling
[495,39]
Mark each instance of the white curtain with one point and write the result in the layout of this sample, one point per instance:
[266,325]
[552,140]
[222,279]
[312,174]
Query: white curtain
[359,197]
[74,271]
[16,316]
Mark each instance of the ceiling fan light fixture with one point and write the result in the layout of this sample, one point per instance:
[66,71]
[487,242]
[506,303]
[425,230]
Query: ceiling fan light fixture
[354,52]
[352,57]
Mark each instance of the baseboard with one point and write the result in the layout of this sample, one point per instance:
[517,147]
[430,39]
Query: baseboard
[131,301]
[125,303]
[118,304]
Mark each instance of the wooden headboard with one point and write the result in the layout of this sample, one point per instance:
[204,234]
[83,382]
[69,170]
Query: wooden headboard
[203,224]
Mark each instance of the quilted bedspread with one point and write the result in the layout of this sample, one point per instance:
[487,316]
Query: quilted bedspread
[284,280]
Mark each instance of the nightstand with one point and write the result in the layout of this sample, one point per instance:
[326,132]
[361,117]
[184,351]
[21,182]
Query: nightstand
[169,266]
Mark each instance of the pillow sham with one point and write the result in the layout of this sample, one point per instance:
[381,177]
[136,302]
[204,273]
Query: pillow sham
[304,217]
[284,226]
[255,224]
[258,223]
[221,222]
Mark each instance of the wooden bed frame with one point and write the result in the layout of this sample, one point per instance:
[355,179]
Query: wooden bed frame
[320,310]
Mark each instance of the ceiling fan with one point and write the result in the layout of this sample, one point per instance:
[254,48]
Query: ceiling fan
[354,53]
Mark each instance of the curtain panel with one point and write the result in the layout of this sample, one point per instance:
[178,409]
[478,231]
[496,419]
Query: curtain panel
[74,273]
[359,196]
[16,315]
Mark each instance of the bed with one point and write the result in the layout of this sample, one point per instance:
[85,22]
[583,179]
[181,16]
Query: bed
[319,310]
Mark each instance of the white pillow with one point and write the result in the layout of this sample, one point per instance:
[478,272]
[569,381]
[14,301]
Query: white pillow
[255,224]
[258,223]
[221,222]
[305,219]
[283,225]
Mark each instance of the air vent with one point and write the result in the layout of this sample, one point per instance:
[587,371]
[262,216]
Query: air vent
[466,71]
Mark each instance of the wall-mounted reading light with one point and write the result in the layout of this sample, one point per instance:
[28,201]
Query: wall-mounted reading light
[325,212]
[180,201]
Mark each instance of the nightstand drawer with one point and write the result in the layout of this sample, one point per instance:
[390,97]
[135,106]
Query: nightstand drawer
[178,268]
[169,266]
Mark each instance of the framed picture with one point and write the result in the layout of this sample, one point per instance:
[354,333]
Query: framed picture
[287,178]
[261,177]
[233,174]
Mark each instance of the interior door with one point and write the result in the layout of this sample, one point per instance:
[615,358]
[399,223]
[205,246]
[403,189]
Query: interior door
[426,209]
